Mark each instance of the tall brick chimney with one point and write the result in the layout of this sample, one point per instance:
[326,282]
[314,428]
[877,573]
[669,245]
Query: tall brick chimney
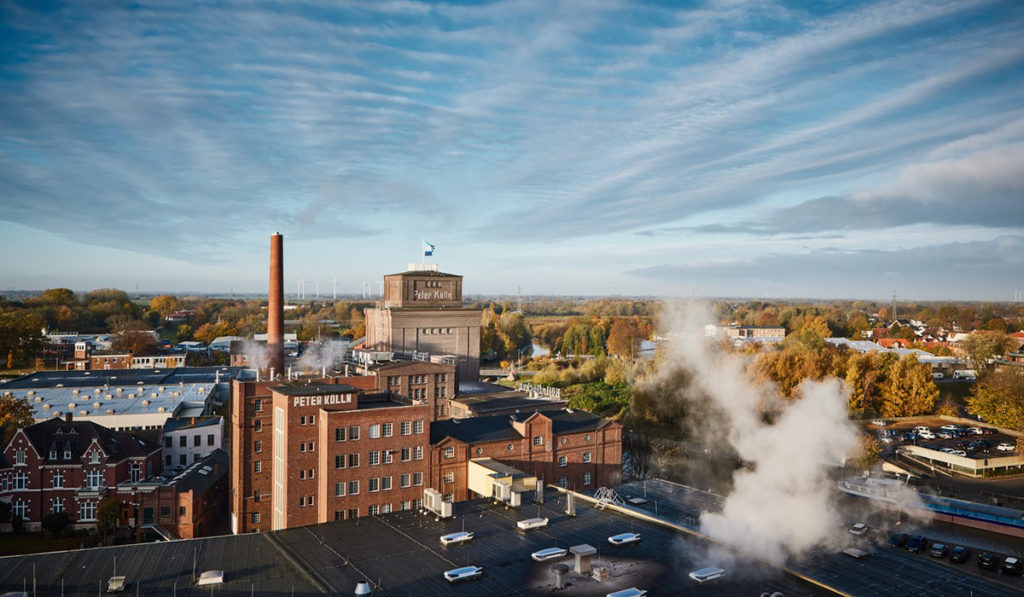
[275,309]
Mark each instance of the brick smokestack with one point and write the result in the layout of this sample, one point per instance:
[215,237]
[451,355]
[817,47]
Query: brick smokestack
[275,309]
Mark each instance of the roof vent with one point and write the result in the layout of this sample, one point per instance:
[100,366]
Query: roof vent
[109,396]
[161,409]
[56,413]
[145,403]
[46,407]
[110,411]
[39,398]
[60,385]
[96,404]
[161,388]
[131,395]
[96,391]
[72,405]
[154,395]
[30,393]
[75,391]
[83,412]
[119,390]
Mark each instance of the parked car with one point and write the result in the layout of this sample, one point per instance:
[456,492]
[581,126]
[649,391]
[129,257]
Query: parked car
[921,428]
[926,435]
[980,445]
[917,543]
[551,553]
[959,554]
[707,574]
[1012,566]
[938,550]
[464,573]
[880,423]
[859,529]
[947,434]
[950,427]
[988,561]
[975,430]
[1006,447]
[958,453]
[898,539]
[624,538]
[456,538]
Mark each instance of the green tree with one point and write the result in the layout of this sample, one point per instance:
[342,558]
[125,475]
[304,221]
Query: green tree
[982,346]
[909,389]
[56,523]
[998,398]
[108,515]
[15,413]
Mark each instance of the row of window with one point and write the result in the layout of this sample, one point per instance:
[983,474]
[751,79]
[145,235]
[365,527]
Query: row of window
[197,440]
[86,510]
[437,331]
[93,479]
[378,430]
[182,458]
[343,488]
[21,456]
[376,457]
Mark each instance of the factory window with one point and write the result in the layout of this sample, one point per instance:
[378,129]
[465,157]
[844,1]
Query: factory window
[256,495]
[563,482]
[385,483]
[374,459]
[56,507]
[302,446]
[417,427]
[389,456]
[417,504]
[311,447]
[353,460]
[509,447]
[339,434]
[182,441]
[374,510]
[562,461]
[339,489]
[167,442]
[417,453]
[257,466]
[386,509]
[197,440]
[58,479]
[449,477]
[182,459]
[373,485]
[449,452]
[257,405]
[136,472]
[209,439]
[404,479]
[406,505]
[339,515]
[386,430]
[586,457]
[406,454]
[479,451]
[563,440]
[374,431]
[353,433]
[586,437]
[417,479]
[353,513]
[257,446]
[339,461]
[406,428]
[302,475]
[353,487]
[449,497]
[95,457]
[257,425]
[255,518]
[310,474]
[20,481]
[586,478]
[181,510]
[88,511]
[302,501]
[538,440]
[311,500]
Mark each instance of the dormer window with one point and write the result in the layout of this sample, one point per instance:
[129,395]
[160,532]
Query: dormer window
[53,454]
[19,457]
[94,457]
[67,454]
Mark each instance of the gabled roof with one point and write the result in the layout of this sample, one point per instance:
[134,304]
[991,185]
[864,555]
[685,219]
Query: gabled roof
[499,427]
[58,435]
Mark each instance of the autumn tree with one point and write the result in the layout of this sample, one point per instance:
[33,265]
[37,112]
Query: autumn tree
[15,413]
[909,389]
[811,334]
[999,399]
[864,376]
[624,337]
[165,304]
[982,346]
[134,341]
[868,452]
[108,515]
[59,296]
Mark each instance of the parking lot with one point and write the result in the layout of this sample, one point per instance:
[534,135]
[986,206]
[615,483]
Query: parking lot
[961,441]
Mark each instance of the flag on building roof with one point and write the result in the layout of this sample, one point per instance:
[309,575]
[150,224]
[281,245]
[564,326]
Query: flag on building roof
[428,249]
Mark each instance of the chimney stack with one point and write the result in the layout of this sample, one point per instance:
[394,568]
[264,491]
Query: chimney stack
[275,309]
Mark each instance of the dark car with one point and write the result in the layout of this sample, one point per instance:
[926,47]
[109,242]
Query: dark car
[959,554]
[938,550]
[899,539]
[988,561]
[1011,565]
[981,445]
[963,444]
[917,543]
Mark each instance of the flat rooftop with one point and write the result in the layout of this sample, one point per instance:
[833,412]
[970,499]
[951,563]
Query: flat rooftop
[122,377]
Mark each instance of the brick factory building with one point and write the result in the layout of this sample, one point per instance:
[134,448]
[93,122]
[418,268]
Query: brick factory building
[422,312]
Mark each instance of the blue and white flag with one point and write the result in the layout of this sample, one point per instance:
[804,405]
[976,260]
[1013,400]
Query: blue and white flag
[428,249]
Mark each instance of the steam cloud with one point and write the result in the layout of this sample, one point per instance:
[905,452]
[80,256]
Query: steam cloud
[781,501]
[327,354]
[255,354]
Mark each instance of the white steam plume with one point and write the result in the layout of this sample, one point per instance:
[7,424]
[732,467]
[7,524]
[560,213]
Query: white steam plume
[255,354]
[781,502]
[327,354]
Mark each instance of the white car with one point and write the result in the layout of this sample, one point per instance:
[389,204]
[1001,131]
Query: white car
[1005,447]
[456,538]
[975,431]
[551,553]
[859,529]
[925,435]
[532,523]
[624,538]
[950,427]
[879,422]
[464,573]
[707,574]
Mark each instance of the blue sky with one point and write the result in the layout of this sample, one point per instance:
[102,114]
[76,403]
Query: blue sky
[759,149]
